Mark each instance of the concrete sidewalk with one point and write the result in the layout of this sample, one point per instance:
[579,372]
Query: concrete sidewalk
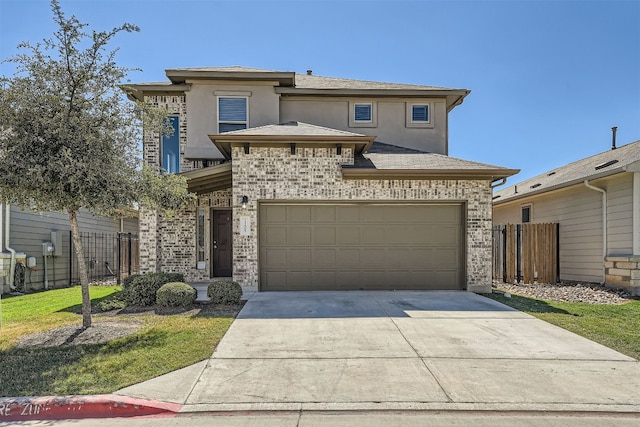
[398,351]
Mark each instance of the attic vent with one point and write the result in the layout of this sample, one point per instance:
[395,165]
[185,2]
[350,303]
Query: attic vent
[606,164]
[536,185]
[551,173]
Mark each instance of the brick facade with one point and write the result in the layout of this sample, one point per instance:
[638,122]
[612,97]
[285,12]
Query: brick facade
[271,173]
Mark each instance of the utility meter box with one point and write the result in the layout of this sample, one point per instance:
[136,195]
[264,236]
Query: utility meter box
[56,239]
[47,249]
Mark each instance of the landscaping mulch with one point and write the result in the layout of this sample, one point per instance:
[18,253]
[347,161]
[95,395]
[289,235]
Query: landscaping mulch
[567,292]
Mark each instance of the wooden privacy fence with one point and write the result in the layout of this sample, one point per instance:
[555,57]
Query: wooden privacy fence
[527,253]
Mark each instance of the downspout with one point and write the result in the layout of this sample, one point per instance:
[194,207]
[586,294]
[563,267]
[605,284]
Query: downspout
[635,227]
[604,225]
[495,184]
[7,224]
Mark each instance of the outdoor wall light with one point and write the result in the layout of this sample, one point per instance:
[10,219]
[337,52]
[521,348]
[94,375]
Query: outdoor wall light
[245,200]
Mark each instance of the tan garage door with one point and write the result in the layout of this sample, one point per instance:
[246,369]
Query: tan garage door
[360,246]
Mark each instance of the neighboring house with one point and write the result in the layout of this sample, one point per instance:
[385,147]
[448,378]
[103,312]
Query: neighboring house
[596,201]
[309,182]
[26,231]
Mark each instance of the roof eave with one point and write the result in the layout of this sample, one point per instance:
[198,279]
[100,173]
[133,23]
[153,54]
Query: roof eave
[138,91]
[223,141]
[559,186]
[284,78]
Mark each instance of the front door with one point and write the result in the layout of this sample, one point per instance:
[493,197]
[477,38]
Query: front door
[222,246]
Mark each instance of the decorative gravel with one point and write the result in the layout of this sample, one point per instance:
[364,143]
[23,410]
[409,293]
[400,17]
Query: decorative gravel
[567,292]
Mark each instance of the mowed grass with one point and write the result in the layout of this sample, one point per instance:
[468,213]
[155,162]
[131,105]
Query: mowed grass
[165,343]
[616,326]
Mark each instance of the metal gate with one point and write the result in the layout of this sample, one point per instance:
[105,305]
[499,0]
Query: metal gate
[107,256]
[526,253]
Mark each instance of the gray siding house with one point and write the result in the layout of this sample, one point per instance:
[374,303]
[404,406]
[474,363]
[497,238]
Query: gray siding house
[596,201]
[25,231]
[310,182]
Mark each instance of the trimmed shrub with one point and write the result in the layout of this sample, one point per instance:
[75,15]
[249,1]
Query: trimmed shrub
[224,292]
[175,294]
[141,291]
[127,280]
[115,301]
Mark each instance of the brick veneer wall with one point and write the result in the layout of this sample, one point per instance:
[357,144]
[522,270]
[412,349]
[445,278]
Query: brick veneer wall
[169,243]
[271,173]
[623,272]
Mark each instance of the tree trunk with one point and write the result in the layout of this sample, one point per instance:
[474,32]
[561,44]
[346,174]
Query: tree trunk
[82,267]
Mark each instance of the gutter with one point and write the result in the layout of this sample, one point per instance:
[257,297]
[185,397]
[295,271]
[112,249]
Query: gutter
[604,225]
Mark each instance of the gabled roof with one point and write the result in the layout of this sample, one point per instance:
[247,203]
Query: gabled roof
[625,158]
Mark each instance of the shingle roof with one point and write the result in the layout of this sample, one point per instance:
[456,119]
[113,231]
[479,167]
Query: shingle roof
[305,81]
[603,164]
[229,68]
[419,161]
[292,128]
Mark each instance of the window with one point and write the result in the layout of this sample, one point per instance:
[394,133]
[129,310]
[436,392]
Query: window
[419,115]
[200,239]
[170,147]
[526,214]
[362,114]
[232,114]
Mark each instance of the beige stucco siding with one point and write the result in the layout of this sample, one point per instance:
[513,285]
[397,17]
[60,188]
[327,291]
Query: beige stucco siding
[578,210]
[201,102]
[391,120]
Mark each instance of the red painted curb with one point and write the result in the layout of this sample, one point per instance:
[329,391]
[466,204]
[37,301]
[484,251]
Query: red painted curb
[70,407]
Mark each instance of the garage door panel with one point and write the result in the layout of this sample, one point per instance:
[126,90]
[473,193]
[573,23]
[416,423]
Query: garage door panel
[361,246]
[347,236]
[301,258]
[324,236]
[297,236]
[299,214]
[348,258]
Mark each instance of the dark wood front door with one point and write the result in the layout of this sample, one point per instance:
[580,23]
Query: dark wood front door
[222,243]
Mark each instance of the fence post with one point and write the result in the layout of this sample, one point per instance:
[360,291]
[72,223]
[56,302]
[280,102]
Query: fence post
[518,252]
[129,257]
[504,254]
[119,237]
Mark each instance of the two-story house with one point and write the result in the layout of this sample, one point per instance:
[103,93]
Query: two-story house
[309,182]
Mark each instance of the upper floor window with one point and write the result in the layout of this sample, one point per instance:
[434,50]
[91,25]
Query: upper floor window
[419,115]
[170,147]
[362,114]
[232,114]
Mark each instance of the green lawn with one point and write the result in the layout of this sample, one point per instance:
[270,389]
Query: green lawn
[616,326]
[165,343]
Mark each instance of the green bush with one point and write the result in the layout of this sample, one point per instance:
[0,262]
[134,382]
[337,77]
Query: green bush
[225,292]
[141,291]
[175,294]
[115,301]
[127,280]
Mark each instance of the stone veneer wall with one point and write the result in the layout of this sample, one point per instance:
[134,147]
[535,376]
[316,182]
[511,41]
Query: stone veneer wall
[623,272]
[169,243]
[273,173]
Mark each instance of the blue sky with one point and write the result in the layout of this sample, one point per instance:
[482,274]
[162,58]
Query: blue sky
[548,78]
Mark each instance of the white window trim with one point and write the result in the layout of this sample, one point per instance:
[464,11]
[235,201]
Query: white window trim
[409,115]
[353,123]
[246,98]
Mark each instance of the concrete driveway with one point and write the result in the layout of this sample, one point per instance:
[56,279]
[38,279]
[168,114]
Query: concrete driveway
[394,351]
